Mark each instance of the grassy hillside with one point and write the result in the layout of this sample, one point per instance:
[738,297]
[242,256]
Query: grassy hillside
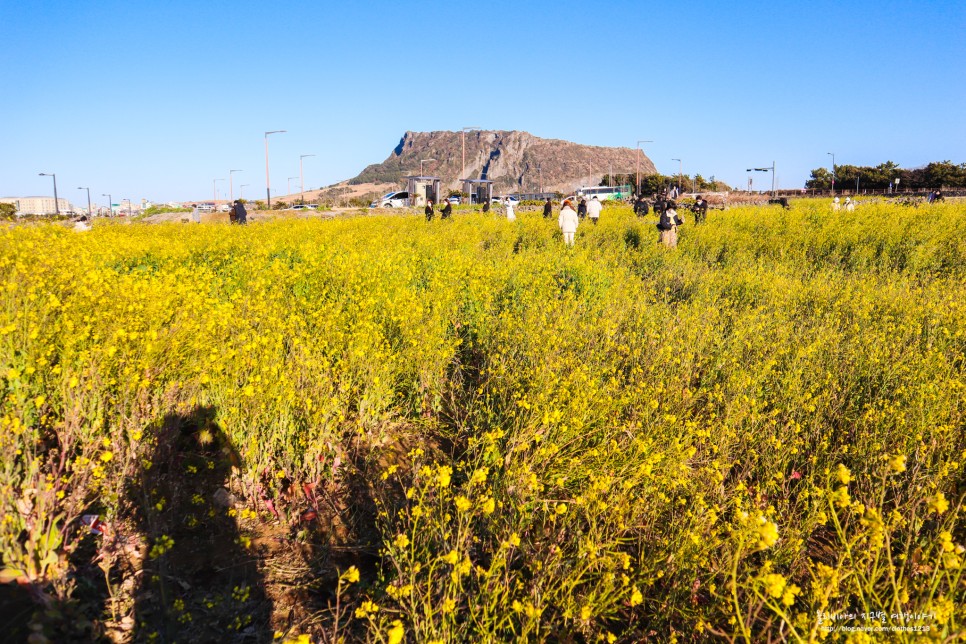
[394,430]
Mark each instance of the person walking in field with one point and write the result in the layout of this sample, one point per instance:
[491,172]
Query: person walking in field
[486,206]
[510,215]
[195,214]
[668,226]
[447,210]
[568,221]
[593,209]
[849,205]
[547,209]
[581,208]
[429,210]
[835,205]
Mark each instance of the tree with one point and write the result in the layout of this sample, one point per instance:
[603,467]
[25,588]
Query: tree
[8,211]
[821,179]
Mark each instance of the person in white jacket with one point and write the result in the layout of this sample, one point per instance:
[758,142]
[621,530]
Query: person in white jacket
[509,210]
[568,222]
[593,209]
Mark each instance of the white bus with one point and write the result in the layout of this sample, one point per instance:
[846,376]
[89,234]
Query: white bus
[605,193]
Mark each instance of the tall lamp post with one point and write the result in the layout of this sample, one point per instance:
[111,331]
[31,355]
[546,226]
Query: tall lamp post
[268,182]
[214,192]
[231,185]
[110,204]
[289,184]
[302,177]
[680,173]
[90,213]
[56,204]
[421,162]
[832,154]
[241,190]
[772,169]
[637,188]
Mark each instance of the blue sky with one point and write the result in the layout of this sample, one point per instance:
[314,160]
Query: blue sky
[156,99]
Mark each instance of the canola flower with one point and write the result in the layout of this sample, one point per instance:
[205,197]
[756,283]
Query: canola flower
[595,470]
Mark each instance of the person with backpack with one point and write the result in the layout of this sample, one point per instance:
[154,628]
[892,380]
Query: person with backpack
[668,225]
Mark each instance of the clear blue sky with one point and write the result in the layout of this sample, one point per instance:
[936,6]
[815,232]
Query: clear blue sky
[157,99]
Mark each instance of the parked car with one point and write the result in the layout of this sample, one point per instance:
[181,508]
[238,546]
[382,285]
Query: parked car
[513,200]
[306,206]
[392,200]
[455,200]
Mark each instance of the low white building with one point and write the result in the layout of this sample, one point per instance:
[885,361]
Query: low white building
[37,205]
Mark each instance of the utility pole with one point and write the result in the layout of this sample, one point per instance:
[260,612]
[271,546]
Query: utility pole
[268,182]
[302,178]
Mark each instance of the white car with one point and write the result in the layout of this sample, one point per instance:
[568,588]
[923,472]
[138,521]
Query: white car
[392,200]
[513,200]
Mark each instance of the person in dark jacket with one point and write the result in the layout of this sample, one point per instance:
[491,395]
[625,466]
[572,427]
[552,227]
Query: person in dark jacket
[582,208]
[700,210]
[447,211]
[486,206]
[241,216]
[429,211]
[547,209]
[640,206]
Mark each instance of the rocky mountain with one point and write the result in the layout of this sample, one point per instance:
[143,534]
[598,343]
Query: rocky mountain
[515,161]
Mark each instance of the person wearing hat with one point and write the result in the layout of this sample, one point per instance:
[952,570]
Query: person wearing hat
[849,205]
[568,221]
[835,205]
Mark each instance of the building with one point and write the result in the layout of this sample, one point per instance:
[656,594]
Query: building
[37,205]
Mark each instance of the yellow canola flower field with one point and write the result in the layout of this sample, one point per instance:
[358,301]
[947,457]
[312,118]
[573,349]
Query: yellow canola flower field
[618,441]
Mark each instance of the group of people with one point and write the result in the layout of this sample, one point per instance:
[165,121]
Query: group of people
[236,214]
[445,212]
[837,205]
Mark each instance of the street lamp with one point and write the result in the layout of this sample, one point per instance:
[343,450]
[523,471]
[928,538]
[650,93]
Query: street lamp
[469,128]
[268,183]
[214,192]
[56,205]
[231,185]
[637,188]
[110,204]
[680,173]
[290,184]
[90,213]
[772,169]
[241,190]
[832,154]
[302,178]
[421,162]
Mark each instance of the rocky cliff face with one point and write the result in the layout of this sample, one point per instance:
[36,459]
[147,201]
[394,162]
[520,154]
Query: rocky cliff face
[515,161]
